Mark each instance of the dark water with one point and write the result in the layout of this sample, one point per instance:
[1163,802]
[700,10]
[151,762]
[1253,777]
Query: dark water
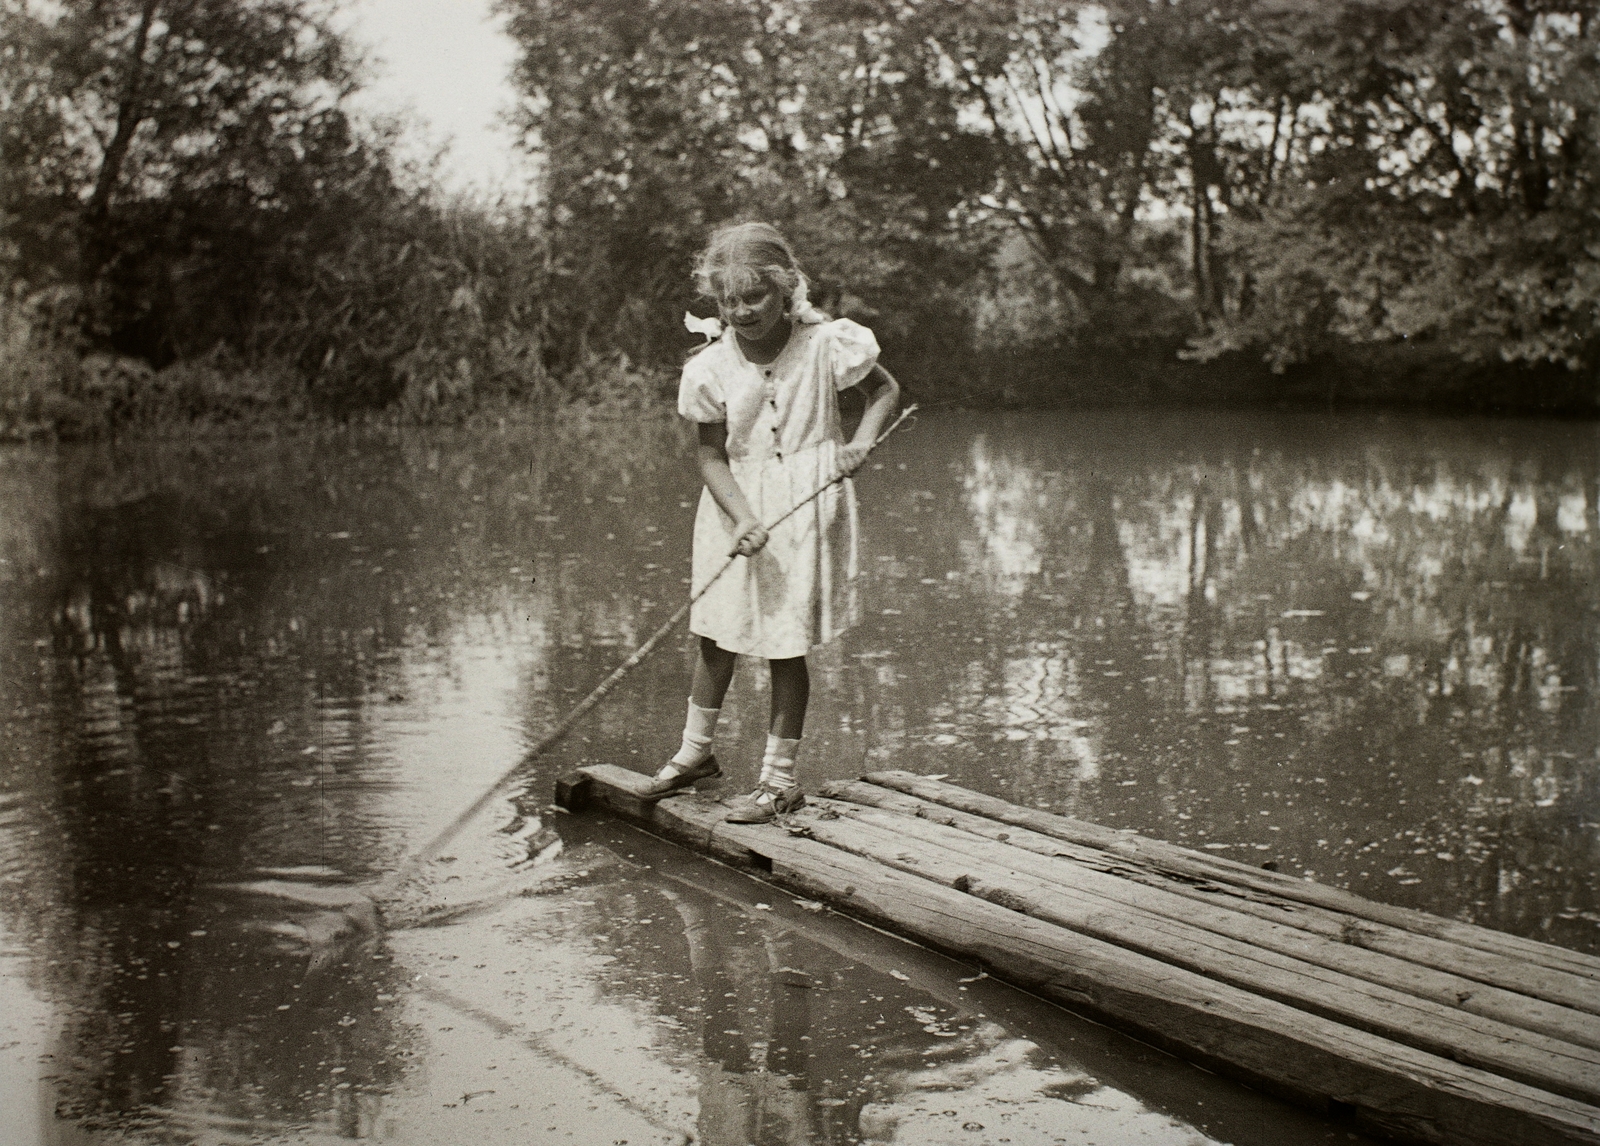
[241,678]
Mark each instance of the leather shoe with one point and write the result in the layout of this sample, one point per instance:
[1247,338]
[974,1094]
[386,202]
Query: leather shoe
[660,786]
[764,805]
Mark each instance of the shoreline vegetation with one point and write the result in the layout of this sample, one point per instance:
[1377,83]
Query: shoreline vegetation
[1245,203]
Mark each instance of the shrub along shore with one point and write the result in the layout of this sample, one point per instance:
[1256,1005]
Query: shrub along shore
[100,396]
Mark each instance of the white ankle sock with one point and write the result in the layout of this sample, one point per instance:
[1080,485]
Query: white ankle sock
[698,730]
[777,765]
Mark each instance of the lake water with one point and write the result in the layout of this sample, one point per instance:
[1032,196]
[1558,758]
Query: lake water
[240,678]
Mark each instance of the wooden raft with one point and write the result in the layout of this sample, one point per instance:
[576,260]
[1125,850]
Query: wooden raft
[1409,1025]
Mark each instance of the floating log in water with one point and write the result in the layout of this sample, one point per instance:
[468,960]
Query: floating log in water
[1421,1028]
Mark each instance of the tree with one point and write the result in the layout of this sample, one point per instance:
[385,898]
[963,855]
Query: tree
[655,120]
[1434,185]
[150,143]
[1065,97]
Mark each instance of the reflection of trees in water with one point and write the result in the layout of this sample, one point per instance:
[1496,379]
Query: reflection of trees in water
[1361,623]
[152,789]
[224,627]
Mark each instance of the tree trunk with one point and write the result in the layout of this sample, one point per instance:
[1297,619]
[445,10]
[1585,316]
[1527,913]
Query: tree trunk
[1197,245]
[1532,171]
[130,114]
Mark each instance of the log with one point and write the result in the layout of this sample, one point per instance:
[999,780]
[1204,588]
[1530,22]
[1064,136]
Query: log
[1225,915]
[1382,1084]
[1569,978]
[921,849]
[1118,1061]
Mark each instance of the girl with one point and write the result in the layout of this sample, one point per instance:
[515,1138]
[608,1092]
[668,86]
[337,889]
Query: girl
[765,396]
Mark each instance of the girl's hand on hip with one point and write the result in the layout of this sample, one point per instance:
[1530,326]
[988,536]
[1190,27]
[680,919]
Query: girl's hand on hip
[751,539]
[849,459]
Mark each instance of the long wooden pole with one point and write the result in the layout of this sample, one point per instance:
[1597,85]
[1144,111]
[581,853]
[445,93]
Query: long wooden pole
[409,866]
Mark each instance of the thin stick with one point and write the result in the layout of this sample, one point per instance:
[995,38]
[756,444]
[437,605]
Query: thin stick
[408,867]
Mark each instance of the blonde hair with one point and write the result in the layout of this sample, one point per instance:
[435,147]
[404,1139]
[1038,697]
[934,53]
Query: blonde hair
[739,256]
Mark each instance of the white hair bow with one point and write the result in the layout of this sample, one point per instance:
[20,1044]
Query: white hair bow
[710,327]
[800,308]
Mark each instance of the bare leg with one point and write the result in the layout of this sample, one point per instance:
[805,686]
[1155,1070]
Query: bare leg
[791,691]
[713,673]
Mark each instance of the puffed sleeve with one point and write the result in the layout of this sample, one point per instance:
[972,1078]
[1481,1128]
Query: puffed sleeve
[853,352]
[700,392]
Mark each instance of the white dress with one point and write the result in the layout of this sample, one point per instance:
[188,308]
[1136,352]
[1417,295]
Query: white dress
[783,437]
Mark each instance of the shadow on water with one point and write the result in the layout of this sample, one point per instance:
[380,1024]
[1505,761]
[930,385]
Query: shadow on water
[242,680]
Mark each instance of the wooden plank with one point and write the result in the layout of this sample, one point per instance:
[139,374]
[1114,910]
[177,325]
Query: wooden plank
[1108,1055]
[1539,969]
[1092,868]
[1206,865]
[1385,1085]
[985,870]
[572,791]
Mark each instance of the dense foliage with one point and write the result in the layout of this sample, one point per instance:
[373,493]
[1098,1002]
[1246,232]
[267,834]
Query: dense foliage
[1274,179]
[1041,199]
[194,223]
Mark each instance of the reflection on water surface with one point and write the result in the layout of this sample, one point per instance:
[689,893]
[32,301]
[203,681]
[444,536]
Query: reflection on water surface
[242,678]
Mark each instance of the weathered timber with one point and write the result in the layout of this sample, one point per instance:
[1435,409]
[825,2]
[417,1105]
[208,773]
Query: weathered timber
[1386,1085]
[1210,906]
[1101,1052]
[1539,969]
[921,849]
